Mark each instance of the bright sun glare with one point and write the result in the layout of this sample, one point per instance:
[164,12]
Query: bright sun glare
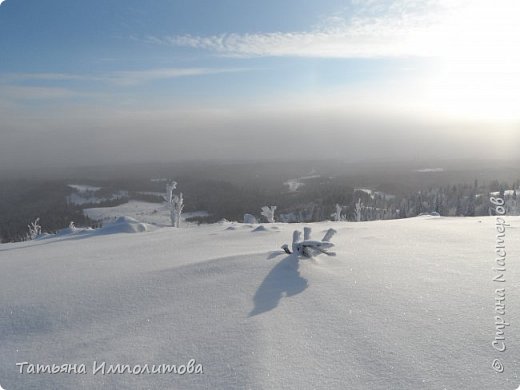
[479,68]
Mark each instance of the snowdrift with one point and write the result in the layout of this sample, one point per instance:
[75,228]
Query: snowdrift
[120,225]
[124,225]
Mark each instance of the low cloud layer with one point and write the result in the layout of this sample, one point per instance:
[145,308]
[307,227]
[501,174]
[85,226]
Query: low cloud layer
[123,77]
[79,138]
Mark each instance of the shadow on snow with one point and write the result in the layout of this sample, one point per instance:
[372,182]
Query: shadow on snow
[283,278]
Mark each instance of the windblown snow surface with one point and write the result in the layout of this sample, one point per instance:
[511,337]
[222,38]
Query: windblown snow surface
[405,304]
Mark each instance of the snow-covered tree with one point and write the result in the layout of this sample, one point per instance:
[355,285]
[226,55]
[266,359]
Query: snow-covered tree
[176,210]
[175,203]
[35,229]
[170,186]
[516,202]
[358,210]
[337,215]
[268,213]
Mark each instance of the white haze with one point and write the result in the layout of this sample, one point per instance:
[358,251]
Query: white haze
[79,137]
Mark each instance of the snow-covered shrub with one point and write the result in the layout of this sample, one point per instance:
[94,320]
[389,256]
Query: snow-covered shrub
[268,213]
[250,219]
[35,230]
[307,233]
[309,247]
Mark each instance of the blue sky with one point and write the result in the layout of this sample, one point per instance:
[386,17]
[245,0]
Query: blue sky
[90,42]
[101,73]
[111,35]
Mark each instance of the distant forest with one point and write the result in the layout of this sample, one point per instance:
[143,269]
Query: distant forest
[231,190]
[21,202]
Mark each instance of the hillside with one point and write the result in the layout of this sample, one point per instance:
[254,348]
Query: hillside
[405,304]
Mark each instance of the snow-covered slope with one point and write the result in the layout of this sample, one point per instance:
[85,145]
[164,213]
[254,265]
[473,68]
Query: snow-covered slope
[405,304]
